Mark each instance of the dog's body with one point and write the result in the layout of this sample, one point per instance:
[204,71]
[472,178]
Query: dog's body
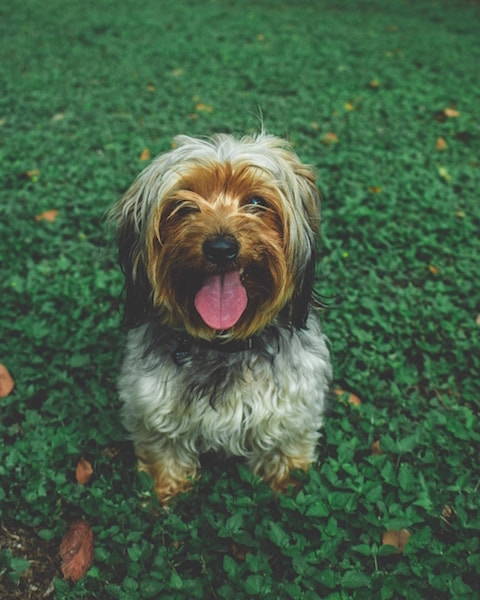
[217,244]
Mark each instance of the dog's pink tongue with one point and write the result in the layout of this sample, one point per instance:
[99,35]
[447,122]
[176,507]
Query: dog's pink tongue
[221,300]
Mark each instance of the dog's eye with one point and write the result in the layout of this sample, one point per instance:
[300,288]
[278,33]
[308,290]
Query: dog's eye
[257,202]
[182,209]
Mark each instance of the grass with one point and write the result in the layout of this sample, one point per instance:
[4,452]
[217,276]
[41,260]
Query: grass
[89,86]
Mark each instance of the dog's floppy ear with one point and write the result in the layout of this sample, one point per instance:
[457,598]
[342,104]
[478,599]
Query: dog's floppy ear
[138,291]
[303,295]
[128,216]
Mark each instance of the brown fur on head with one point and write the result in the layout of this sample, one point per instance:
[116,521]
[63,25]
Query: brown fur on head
[253,190]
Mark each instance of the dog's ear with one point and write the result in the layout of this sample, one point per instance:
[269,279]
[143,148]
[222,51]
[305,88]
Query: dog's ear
[138,291]
[309,196]
[303,295]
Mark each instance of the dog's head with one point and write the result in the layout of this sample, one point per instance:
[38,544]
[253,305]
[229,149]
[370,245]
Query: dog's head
[217,237]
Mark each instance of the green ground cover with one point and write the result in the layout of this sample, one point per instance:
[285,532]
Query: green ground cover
[361,89]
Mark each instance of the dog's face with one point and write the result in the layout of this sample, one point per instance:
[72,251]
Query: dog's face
[216,237]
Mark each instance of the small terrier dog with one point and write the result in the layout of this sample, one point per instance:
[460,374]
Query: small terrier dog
[216,241]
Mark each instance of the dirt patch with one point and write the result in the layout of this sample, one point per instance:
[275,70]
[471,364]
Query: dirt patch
[36,583]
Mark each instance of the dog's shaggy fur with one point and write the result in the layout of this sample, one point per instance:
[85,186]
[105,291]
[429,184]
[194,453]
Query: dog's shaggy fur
[217,244]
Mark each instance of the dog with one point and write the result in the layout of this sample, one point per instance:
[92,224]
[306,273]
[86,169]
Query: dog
[224,350]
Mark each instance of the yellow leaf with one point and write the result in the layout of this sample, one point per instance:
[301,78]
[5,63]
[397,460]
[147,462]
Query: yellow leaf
[375,189]
[451,112]
[444,174]
[330,138]
[433,269]
[145,154]
[348,106]
[201,107]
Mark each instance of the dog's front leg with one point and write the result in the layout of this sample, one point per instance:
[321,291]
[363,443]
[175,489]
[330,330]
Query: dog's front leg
[172,466]
[274,466]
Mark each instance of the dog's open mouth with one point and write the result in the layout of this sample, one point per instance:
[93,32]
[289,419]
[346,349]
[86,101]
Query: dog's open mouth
[221,300]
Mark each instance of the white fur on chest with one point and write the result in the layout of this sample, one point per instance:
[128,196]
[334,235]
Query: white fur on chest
[262,401]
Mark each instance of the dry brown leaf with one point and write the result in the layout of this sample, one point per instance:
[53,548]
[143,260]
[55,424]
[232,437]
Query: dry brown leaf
[441,144]
[238,551]
[76,550]
[397,539]
[145,154]
[201,107]
[32,174]
[330,138]
[84,471]
[451,112]
[375,189]
[6,382]
[48,215]
[376,448]
[351,398]
[433,269]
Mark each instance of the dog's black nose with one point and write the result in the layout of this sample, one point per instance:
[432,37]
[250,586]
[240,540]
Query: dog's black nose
[221,249]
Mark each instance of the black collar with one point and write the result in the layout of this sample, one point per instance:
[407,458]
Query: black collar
[185,344]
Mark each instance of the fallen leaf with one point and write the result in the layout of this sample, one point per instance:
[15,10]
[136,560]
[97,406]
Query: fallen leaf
[201,107]
[448,512]
[48,215]
[32,174]
[83,472]
[451,112]
[150,87]
[441,144]
[348,106]
[76,550]
[238,551]
[376,448]
[351,398]
[58,117]
[6,382]
[444,174]
[477,320]
[177,72]
[433,269]
[330,138]
[375,189]
[145,154]
[397,539]
[460,214]
[374,83]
